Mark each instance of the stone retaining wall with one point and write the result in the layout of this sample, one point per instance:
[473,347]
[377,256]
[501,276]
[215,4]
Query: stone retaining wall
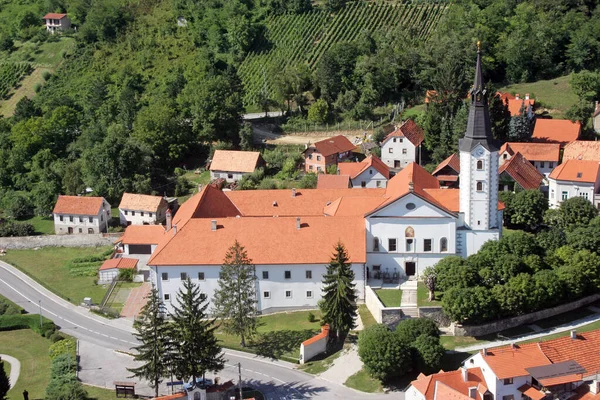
[435,313]
[30,242]
[389,316]
[507,323]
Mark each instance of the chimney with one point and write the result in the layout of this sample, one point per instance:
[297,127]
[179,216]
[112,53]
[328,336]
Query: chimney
[485,352]
[573,334]
[275,204]
[517,96]
[594,386]
[411,186]
[199,187]
[465,373]
[293,192]
[174,230]
[213,225]
[169,219]
[513,346]
[298,223]
[526,96]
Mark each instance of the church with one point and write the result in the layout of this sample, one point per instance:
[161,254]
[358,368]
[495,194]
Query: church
[391,234]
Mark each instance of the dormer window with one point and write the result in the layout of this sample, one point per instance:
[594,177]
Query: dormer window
[579,174]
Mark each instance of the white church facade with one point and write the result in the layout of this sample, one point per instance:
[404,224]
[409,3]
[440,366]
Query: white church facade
[289,235]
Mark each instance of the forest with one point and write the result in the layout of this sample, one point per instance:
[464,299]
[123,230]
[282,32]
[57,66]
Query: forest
[150,86]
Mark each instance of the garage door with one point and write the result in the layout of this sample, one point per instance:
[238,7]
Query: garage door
[140,249]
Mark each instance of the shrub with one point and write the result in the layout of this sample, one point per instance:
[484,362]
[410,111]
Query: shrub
[311,317]
[37,87]
[384,355]
[126,275]
[427,354]
[46,75]
[410,329]
[62,347]
[26,321]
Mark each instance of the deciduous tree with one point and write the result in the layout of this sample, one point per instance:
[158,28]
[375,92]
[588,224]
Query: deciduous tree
[383,354]
[4,382]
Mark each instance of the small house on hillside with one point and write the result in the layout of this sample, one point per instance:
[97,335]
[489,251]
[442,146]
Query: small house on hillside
[81,215]
[56,22]
[232,165]
[369,173]
[575,178]
[403,145]
[560,131]
[141,209]
[325,153]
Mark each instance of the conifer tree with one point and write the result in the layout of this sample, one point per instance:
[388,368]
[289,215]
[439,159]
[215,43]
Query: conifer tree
[196,348]
[339,299]
[235,299]
[4,382]
[153,334]
[520,127]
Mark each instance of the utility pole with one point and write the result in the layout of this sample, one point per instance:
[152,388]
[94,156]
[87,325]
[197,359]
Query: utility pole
[240,380]
[41,316]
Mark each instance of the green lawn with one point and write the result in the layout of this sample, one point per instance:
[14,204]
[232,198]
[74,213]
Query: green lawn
[423,296]
[389,297]
[366,316]
[202,178]
[49,266]
[42,225]
[362,381]
[96,393]
[452,342]
[564,318]
[414,111]
[32,351]
[554,94]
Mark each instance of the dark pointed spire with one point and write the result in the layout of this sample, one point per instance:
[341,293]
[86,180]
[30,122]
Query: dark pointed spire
[479,130]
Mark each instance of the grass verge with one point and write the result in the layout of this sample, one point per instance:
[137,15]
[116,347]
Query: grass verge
[366,316]
[96,393]
[423,296]
[390,297]
[42,225]
[362,381]
[318,366]
[49,266]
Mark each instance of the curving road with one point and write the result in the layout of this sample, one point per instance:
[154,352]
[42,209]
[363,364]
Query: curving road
[277,379]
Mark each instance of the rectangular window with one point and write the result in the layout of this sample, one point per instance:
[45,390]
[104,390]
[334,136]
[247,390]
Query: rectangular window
[552,194]
[401,140]
[61,218]
[267,295]
[391,150]
[90,230]
[310,156]
[202,296]
[229,176]
[80,230]
[142,213]
[375,244]
[288,294]
[101,217]
[392,245]
[91,219]
[309,294]
[378,184]
[565,195]
[133,213]
[427,245]
[165,276]
[309,274]
[508,397]
[183,276]
[550,164]
[318,168]
[404,151]
[394,140]
[543,164]
[150,215]
[584,195]
[318,158]
[167,297]
[363,184]
[310,167]
[70,218]
[265,274]
[200,276]
[288,274]
[508,381]
[410,245]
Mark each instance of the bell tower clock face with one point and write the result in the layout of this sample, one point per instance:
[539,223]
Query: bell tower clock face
[479,152]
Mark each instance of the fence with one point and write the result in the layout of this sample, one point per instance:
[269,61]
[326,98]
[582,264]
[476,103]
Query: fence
[306,126]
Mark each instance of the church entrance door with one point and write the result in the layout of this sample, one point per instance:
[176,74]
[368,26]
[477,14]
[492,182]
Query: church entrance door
[410,268]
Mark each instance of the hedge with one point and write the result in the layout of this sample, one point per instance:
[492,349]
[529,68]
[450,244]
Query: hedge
[26,321]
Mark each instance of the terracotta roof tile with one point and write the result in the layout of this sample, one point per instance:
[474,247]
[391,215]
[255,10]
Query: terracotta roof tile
[531,392]
[514,105]
[142,202]
[410,130]
[353,206]
[334,145]
[142,234]
[171,396]
[54,16]
[329,181]
[210,202]
[582,150]
[535,151]
[448,198]
[323,334]
[78,205]
[510,362]
[355,169]
[560,131]
[577,171]
[443,391]
[282,243]
[119,263]
[236,161]
[427,385]
[584,350]
[453,162]
[522,172]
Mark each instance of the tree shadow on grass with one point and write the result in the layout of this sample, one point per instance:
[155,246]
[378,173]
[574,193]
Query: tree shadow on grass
[277,343]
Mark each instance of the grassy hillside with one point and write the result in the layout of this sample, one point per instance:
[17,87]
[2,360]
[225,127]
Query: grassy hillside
[292,39]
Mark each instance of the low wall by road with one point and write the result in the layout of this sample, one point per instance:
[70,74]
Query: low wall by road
[390,316]
[30,242]
[315,345]
[507,323]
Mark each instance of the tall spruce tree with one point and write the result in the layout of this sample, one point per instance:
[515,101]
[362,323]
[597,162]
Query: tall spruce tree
[520,126]
[235,299]
[339,298]
[4,382]
[196,348]
[153,332]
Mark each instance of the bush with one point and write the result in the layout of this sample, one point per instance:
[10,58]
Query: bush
[46,75]
[311,317]
[126,275]
[13,229]
[7,307]
[410,329]
[26,321]
[428,354]
[474,304]
[37,87]
[62,347]
[384,355]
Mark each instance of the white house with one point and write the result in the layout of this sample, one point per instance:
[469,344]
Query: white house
[232,165]
[110,268]
[56,22]
[141,209]
[575,178]
[369,173]
[402,146]
[81,215]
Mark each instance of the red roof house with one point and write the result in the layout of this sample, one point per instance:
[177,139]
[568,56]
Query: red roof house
[319,156]
[560,131]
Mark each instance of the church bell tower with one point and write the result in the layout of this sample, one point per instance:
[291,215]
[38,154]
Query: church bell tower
[479,162]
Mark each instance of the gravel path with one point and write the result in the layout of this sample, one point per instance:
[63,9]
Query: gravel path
[15,368]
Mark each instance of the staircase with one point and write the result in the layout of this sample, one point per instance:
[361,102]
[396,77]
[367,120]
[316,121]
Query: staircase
[408,303]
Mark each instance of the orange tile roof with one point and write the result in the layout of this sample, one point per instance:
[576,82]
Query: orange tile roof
[531,392]
[355,169]
[410,130]
[583,393]
[429,95]
[142,202]
[142,234]
[514,105]
[505,96]
[448,198]
[427,385]
[353,206]
[210,202]
[453,162]
[509,362]
[522,172]
[78,205]
[323,334]
[281,243]
[535,151]
[54,16]
[120,263]
[443,391]
[447,178]
[577,171]
[560,131]
[171,396]
[329,181]
[582,150]
[235,161]
[334,145]
[268,203]
[585,350]
[559,380]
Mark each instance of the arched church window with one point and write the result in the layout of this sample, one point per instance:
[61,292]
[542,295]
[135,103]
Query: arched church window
[479,164]
[443,244]
[409,232]
[479,186]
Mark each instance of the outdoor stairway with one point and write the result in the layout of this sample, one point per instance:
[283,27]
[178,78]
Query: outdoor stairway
[408,304]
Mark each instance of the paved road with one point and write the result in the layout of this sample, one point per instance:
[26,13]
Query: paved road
[279,379]
[15,368]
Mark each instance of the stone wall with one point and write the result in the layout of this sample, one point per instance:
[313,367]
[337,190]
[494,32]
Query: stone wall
[507,323]
[389,316]
[30,242]
[436,314]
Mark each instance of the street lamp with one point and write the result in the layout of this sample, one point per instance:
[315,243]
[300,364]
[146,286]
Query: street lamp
[40,314]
